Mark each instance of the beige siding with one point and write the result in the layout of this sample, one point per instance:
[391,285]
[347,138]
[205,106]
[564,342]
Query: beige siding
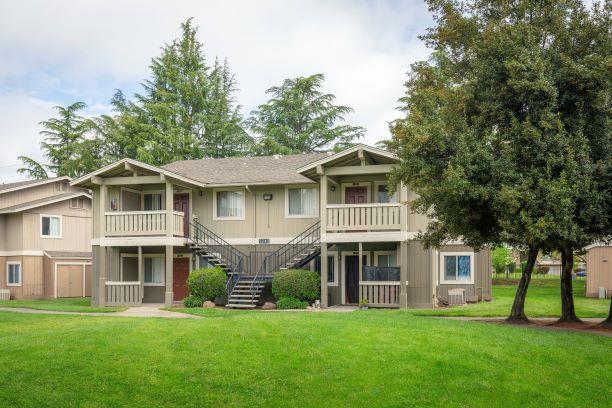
[13,232]
[32,193]
[419,288]
[599,270]
[481,289]
[32,280]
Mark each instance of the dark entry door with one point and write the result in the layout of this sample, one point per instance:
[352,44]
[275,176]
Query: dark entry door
[351,283]
[180,273]
[356,195]
[181,203]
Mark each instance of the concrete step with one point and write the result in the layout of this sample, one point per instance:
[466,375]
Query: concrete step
[244,296]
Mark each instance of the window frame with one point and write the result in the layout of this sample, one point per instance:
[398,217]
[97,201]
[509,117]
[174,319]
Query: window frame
[334,254]
[216,217]
[442,271]
[384,183]
[8,263]
[80,200]
[41,226]
[390,252]
[143,193]
[301,186]
[144,256]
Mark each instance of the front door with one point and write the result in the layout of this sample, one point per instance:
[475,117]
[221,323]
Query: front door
[351,284]
[180,273]
[356,195]
[181,203]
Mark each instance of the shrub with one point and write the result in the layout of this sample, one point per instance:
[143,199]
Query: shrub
[207,284]
[500,257]
[296,283]
[511,267]
[192,301]
[542,270]
[288,302]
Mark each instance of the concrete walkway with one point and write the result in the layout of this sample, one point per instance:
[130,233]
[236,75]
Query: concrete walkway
[140,311]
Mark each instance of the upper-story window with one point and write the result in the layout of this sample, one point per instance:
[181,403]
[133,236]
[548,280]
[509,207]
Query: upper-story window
[76,202]
[382,194]
[61,186]
[229,204]
[301,202]
[50,226]
[457,267]
[152,201]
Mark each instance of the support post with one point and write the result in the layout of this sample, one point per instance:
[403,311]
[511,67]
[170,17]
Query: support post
[102,277]
[324,271]
[169,209]
[102,205]
[360,267]
[141,273]
[402,249]
[169,298]
[323,203]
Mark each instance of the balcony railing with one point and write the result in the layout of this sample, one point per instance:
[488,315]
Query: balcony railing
[142,223]
[123,293]
[363,217]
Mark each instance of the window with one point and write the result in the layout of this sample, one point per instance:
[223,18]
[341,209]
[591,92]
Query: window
[386,260]
[229,204]
[76,202]
[152,202]
[382,194]
[332,269]
[61,186]
[154,270]
[457,267]
[13,273]
[301,202]
[51,226]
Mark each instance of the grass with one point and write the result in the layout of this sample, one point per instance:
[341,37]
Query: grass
[543,300]
[371,358]
[61,305]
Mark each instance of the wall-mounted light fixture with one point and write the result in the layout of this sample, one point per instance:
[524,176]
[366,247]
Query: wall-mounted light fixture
[267,197]
[333,188]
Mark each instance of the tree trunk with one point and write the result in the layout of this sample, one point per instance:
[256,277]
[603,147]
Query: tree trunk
[517,314]
[568,312]
[608,321]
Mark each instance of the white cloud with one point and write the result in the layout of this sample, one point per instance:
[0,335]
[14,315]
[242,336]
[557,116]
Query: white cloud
[74,50]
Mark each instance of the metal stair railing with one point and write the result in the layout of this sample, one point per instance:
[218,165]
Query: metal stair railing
[287,254]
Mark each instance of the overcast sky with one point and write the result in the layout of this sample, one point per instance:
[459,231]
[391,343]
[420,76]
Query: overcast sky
[58,52]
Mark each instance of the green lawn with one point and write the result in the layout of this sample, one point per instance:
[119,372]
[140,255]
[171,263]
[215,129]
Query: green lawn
[543,300]
[372,358]
[62,305]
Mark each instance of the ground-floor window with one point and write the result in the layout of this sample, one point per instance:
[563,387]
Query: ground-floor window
[154,269]
[457,267]
[13,273]
[332,269]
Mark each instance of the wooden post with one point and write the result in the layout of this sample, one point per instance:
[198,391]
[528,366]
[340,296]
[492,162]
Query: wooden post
[360,267]
[169,298]
[102,216]
[141,273]
[323,204]
[102,277]
[324,271]
[169,209]
[402,251]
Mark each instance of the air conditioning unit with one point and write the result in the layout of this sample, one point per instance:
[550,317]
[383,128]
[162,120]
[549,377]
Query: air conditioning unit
[5,294]
[456,297]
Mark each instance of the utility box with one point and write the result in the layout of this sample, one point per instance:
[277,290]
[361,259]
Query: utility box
[602,292]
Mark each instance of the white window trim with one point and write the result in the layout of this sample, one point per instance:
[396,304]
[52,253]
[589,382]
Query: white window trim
[376,253]
[216,190]
[382,183]
[125,255]
[456,282]
[366,184]
[145,192]
[60,226]
[20,273]
[289,187]
[336,270]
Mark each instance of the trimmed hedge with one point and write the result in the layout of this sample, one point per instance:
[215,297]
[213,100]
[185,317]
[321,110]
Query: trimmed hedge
[192,301]
[207,283]
[291,303]
[297,283]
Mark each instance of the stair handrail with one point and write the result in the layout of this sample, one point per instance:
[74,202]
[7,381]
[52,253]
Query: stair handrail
[308,238]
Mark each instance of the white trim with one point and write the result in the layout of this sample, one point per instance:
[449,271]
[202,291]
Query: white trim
[130,255]
[375,236]
[366,184]
[336,268]
[303,187]
[240,189]
[343,254]
[41,228]
[391,252]
[36,183]
[22,253]
[52,200]
[441,264]
[375,193]
[346,152]
[20,273]
[84,264]
[139,241]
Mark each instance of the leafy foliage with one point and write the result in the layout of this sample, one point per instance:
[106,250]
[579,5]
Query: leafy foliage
[192,301]
[300,118]
[296,283]
[500,258]
[288,302]
[207,283]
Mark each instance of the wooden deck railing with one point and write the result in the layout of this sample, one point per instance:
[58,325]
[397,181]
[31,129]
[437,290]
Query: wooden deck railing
[141,223]
[363,217]
[123,293]
[380,293]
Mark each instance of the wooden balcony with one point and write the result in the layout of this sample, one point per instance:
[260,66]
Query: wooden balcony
[380,294]
[142,223]
[363,217]
[123,293]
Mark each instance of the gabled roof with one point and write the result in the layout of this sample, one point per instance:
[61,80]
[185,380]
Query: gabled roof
[42,202]
[349,157]
[118,168]
[252,170]
[19,185]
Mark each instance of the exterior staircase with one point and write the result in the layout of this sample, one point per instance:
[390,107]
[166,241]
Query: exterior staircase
[246,291]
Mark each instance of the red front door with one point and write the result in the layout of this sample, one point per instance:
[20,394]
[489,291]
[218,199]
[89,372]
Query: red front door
[181,203]
[356,195]
[180,273]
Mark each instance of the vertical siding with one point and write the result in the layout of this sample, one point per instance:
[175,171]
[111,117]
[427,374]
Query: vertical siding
[14,232]
[599,270]
[33,193]
[32,279]
[418,265]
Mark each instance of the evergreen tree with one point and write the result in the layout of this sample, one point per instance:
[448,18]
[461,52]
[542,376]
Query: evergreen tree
[300,118]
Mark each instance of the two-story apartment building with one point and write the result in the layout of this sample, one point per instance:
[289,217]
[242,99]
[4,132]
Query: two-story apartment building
[45,229]
[257,215]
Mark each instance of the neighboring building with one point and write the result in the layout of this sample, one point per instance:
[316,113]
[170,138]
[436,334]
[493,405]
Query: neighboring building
[599,270]
[256,215]
[45,229]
